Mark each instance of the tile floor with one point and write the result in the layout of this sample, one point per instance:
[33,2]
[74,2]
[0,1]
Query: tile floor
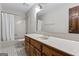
[13,48]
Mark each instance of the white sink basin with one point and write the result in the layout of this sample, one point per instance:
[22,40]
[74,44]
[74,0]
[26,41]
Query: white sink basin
[43,37]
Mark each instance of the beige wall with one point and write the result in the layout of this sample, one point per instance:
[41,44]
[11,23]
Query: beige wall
[56,18]
[31,17]
[20,27]
[0,26]
[0,21]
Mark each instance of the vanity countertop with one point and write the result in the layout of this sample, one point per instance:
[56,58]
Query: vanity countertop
[69,46]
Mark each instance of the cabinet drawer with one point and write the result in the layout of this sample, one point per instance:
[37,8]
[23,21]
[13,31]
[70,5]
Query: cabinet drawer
[27,39]
[36,44]
[50,51]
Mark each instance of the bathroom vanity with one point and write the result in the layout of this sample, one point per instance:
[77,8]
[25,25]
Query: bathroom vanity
[40,45]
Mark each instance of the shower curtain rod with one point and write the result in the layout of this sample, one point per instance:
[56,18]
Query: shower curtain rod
[8,13]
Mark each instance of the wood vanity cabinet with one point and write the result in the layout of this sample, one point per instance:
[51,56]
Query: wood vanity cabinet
[36,44]
[34,51]
[32,47]
[27,45]
[51,51]
[36,48]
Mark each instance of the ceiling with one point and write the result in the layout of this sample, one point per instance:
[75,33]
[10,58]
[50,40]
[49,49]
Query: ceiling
[24,7]
[49,7]
[20,7]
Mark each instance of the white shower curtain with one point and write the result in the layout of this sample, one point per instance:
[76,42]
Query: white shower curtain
[7,27]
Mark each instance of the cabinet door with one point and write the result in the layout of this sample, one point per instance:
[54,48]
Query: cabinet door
[73,25]
[74,20]
[50,51]
[34,51]
[37,52]
[44,54]
[47,51]
[27,43]
[36,44]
